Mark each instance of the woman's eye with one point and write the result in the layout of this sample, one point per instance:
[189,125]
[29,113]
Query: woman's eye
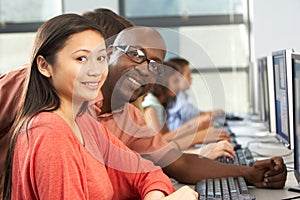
[82,59]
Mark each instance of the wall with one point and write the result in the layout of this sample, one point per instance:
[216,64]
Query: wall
[274,28]
[275,25]
[79,6]
[15,50]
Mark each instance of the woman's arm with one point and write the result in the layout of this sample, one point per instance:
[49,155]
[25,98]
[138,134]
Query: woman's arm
[184,192]
[151,117]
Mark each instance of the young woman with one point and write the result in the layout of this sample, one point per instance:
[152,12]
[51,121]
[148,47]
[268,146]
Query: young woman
[155,105]
[58,151]
[181,110]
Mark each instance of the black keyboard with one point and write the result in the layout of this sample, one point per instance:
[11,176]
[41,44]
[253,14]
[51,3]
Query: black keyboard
[242,156]
[225,188]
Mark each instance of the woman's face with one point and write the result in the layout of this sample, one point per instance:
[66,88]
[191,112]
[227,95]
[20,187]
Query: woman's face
[174,84]
[186,80]
[80,68]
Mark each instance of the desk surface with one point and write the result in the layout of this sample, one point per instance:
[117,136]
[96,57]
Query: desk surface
[277,194]
[266,147]
[269,194]
[263,151]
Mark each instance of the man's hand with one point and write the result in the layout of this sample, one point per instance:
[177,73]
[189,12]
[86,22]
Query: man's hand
[270,173]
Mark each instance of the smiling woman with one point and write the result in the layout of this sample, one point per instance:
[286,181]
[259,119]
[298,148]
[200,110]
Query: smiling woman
[55,95]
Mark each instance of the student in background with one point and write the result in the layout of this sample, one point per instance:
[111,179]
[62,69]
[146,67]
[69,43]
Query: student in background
[155,103]
[58,150]
[134,64]
[180,110]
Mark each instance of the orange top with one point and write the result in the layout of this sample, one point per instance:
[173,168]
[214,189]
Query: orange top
[50,163]
[128,124]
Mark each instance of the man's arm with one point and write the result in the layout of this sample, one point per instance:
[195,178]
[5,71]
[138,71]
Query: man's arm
[11,88]
[189,169]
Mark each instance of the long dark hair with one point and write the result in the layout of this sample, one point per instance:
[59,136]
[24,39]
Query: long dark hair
[39,94]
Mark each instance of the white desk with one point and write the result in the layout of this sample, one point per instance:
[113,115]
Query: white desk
[271,194]
[261,149]
[268,194]
[268,150]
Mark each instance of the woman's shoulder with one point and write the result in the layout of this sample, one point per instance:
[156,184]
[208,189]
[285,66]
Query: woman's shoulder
[47,119]
[47,124]
[47,132]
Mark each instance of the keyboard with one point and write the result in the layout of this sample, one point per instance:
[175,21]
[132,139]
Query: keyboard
[243,156]
[225,188]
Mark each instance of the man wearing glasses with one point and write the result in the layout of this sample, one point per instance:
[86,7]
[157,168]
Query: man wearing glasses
[131,72]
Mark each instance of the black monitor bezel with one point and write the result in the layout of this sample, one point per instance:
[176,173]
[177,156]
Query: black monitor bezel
[296,144]
[262,64]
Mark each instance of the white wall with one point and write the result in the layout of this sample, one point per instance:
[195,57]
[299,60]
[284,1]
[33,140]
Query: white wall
[80,6]
[15,50]
[275,25]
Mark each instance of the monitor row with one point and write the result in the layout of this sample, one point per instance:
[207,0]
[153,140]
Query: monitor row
[279,97]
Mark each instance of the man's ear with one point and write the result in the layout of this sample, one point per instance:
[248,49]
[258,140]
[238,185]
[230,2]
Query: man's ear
[109,50]
[44,67]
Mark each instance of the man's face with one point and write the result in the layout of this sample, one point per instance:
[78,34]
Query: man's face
[130,70]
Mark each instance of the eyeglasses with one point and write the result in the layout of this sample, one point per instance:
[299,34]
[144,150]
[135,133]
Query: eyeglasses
[138,56]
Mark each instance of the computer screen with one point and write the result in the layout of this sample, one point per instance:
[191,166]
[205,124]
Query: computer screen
[282,70]
[296,103]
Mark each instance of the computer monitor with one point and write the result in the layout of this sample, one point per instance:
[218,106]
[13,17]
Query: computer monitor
[266,92]
[271,92]
[263,99]
[296,104]
[263,87]
[282,73]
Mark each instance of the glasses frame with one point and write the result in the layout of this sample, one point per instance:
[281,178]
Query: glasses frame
[152,65]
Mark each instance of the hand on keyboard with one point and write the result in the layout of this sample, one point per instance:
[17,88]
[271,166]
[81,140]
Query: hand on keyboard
[243,156]
[215,150]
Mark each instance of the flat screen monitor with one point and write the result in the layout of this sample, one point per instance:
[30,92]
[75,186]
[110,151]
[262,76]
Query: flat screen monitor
[271,92]
[263,87]
[282,72]
[296,103]
[266,92]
